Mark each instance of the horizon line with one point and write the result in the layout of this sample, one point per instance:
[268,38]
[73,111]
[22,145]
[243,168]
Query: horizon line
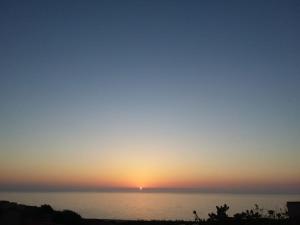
[150,190]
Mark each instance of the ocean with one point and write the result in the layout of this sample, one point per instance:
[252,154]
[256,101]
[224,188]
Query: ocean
[139,205]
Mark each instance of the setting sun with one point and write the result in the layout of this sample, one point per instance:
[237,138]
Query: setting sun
[122,109]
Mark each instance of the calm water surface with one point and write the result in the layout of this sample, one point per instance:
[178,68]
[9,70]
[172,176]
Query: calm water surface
[147,205]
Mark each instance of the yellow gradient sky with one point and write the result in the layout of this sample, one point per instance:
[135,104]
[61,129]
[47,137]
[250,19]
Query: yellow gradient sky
[160,94]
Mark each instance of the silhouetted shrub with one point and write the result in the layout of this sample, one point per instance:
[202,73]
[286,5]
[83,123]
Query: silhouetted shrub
[252,214]
[258,213]
[197,218]
[221,213]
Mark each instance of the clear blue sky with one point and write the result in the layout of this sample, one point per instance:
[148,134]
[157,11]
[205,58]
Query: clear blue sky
[125,93]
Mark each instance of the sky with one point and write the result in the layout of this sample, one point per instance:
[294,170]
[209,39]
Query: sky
[157,94]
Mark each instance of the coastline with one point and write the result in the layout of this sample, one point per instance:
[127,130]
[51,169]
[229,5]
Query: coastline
[12,213]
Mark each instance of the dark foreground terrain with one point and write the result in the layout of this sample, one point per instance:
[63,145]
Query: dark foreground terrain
[17,214]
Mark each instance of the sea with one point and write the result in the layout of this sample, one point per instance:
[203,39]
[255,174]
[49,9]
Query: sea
[148,206]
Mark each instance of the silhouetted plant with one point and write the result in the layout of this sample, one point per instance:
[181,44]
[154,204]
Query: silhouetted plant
[271,214]
[221,213]
[259,214]
[197,218]
[280,215]
[283,213]
[252,214]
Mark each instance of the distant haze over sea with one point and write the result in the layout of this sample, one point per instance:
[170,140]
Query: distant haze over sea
[148,190]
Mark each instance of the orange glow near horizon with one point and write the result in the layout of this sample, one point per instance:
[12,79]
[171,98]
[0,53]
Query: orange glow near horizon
[141,180]
[147,165]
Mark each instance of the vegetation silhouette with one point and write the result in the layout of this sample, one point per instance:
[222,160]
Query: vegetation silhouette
[17,214]
[255,216]
[197,218]
[221,214]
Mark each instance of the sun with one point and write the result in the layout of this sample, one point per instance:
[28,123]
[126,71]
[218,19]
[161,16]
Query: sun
[141,188]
